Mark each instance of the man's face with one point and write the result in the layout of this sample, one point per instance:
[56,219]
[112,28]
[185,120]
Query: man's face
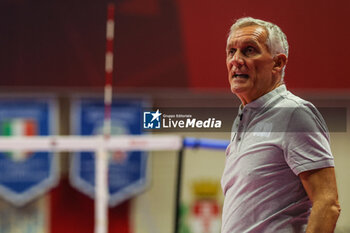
[250,64]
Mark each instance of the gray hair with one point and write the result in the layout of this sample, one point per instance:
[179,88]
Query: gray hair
[276,40]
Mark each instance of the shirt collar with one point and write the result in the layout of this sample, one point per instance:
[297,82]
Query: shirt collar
[267,98]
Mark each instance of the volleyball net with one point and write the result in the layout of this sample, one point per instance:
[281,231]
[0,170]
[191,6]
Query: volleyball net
[101,145]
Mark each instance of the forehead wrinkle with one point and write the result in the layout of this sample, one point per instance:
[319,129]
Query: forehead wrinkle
[248,41]
[256,35]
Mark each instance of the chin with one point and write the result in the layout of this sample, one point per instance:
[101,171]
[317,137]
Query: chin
[236,89]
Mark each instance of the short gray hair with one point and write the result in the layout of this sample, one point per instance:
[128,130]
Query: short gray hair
[276,40]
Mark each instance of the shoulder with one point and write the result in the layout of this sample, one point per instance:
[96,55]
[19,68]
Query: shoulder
[303,115]
[290,100]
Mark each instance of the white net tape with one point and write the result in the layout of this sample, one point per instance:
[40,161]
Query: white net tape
[91,143]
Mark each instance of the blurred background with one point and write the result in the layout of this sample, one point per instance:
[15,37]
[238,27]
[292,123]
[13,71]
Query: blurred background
[168,53]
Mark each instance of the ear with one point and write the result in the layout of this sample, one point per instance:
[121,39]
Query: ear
[280,62]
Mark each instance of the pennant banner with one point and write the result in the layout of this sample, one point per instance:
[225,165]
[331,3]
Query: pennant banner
[27,174]
[127,171]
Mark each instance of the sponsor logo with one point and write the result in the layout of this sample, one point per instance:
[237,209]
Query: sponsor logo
[151,120]
[192,123]
[157,120]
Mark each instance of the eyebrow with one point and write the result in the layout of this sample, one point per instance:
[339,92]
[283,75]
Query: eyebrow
[244,42]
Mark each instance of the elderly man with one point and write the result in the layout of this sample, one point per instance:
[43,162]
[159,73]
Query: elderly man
[279,163]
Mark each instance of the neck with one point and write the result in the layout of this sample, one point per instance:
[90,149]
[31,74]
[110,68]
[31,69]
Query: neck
[246,99]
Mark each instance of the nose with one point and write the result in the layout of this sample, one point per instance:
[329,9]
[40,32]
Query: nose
[237,59]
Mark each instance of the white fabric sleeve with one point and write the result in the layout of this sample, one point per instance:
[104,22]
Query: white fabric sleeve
[306,141]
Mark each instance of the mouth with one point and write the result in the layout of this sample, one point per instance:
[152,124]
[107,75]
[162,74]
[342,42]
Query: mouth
[240,76]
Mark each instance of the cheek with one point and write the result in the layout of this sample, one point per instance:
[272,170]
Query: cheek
[262,68]
[228,65]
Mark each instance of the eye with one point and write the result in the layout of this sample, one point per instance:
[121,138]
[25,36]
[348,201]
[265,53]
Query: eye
[231,52]
[249,51]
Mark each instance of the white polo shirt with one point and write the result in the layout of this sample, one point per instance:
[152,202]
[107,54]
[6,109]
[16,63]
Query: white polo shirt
[274,138]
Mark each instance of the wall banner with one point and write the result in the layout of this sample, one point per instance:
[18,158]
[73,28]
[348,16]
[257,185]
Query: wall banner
[27,174]
[127,171]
